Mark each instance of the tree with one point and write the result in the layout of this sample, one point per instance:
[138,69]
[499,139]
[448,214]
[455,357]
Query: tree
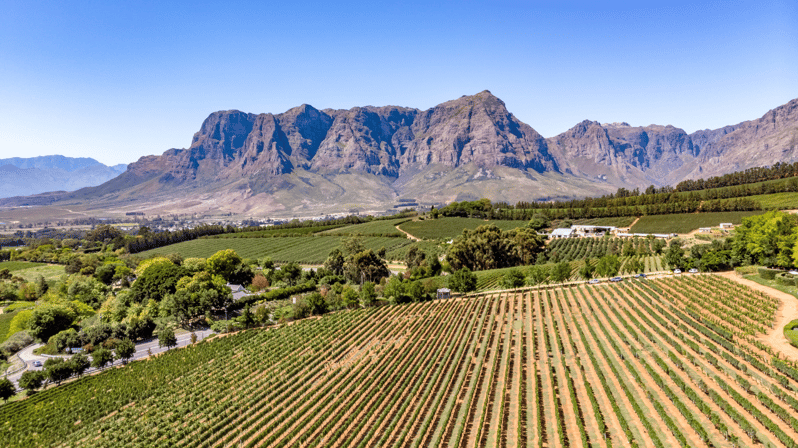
[394,289]
[488,247]
[538,274]
[41,285]
[350,297]
[538,222]
[365,266]
[316,303]
[125,350]
[608,266]
[195,296]
[101,357]
[335,262]
[157,281]
[674,256]
[586,271]
[247,319]
[291,273]
[561,272]
[31,380]
[57,370]
[463,280]
[227,264]
[79,363]
[416,291]
[194,336]
[49,319]
[166,338]
[414,257]
[7,389]
[513,279]
[368,296]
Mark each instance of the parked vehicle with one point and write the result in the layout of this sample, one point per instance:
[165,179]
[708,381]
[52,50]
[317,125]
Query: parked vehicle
[640,276]
[677,271]
[594,281]
[693,271]
[37,363]
[616,279]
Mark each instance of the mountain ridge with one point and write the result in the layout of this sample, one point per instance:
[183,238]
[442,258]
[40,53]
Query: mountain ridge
[307,160]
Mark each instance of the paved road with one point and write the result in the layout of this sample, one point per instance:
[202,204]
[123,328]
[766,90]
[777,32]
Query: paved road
[29,358]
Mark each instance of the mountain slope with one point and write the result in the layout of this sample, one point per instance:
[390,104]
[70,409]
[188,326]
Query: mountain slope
[28,176]
[312,161]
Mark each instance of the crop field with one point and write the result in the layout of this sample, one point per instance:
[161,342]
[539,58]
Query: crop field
[781,201]
[378,227]
[267,232]
[658,363]
[18,265]
[306,250]
[491,279]
[687,222]
[569,249]
[5,324]
[447,228]
[620,221]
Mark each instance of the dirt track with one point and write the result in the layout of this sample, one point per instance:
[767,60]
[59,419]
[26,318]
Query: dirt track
[787,312]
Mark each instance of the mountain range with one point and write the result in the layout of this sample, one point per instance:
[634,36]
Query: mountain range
[308,161]
[27,176]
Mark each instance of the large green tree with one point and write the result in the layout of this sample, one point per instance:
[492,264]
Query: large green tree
[488,247]
[197,295]
[49,319]
[7,389]
[227,264]
[158,281]
[463,280]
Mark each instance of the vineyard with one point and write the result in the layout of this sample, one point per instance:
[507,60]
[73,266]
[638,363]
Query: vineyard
[658,363]
[569,249]
[447,228]
[300,249]
[687,222]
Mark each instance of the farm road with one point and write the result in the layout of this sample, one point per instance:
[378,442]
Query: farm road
[786,312]
[414,238]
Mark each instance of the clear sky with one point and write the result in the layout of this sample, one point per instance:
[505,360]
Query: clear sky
[119,80]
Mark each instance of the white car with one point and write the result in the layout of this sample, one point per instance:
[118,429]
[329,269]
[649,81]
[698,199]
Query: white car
[677,271]
[693,271]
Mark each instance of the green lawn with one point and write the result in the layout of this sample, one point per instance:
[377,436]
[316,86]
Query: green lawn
[305,250]
[447,228]
[687,222]
[18,265]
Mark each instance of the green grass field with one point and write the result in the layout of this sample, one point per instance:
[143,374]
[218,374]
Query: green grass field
[5,324]
[305,250]
[50,272]
[13,266]
[687,222]
[379,227]
[446,228]
[619,221]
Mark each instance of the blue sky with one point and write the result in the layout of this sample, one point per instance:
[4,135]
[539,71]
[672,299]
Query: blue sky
[119,80]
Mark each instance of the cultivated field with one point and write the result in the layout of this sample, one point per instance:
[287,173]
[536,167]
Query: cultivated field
[302,249]
[687,222]
[659,363]
[446,228]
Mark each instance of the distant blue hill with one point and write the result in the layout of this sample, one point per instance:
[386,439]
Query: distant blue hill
[26,176]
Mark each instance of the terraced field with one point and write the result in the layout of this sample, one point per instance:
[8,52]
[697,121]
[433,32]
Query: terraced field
[660,363]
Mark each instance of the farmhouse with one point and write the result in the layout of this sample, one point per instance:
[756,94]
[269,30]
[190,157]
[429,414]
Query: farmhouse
[562,233]
[592,230]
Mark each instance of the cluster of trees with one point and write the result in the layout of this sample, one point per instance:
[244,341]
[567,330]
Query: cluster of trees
[489,247]
[356,263]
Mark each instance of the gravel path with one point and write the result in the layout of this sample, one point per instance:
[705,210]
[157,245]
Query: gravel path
[786,313]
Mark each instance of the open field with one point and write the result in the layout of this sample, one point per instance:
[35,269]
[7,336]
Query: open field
[658,363]
[13,266]
[267,232]
[446,228]
[50,272]
[5,324]
[687,222]
[306,250]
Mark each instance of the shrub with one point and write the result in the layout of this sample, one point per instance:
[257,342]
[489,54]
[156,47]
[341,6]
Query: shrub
[767,274]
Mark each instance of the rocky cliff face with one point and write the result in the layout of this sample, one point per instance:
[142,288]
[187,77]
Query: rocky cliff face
[467,148]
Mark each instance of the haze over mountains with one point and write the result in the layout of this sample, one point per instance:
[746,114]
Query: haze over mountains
[307,161]
[26,176]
